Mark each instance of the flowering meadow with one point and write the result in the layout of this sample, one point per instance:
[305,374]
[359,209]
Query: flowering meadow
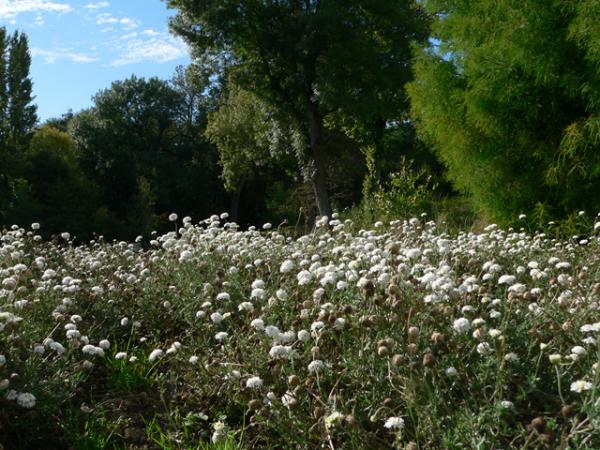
[402,336]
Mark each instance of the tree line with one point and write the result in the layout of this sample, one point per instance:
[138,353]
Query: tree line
[314,105]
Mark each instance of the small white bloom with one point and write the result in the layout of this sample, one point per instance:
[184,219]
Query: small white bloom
[287,266]
[303,335]
[258,324]
[555,358]
[304,278]
[451,372]
[246,306]
[26,400]
[581,385]
[223,297]
[461,325]
[221,336]
[254,383]
[394,423]
[155,355]
[258,293]
[216,317]
[316,366]
[494,333]
[483,348]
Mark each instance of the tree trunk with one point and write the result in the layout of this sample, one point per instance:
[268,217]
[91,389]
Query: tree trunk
[319,178]
[235,203]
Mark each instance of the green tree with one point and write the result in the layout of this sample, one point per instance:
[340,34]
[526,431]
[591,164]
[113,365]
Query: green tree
[139,144]
[21,115]
[17,113]
[3,87]
[55,186]
[293,53]
[509,96]
[249,139]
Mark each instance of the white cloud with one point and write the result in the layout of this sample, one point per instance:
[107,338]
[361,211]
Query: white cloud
[108,18]
[159,49]
[9,9]
[105,18]
[129,35]
[39,21]
[51,56]
[150,32]
[98,5]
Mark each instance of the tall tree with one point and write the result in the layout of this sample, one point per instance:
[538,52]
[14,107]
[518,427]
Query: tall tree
[3,85]
[250,141]
[509,96]
[293,53]
[21,110]
[139,146]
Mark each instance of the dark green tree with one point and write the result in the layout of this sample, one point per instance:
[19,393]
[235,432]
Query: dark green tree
[298,56]
[17,113]
[55,186]
[509,96]
[21,114]
[147,154]
[3,86]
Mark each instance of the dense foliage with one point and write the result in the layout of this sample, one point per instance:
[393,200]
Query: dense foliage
[509,97]
[313,62]
[395,337]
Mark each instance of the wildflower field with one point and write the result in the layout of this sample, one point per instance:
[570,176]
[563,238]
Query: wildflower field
[402,336]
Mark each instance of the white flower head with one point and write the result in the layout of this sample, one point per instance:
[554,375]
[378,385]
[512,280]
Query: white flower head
[155,354]
[394,423]
[461,325]
[581,385]
[26,400]
[254,383]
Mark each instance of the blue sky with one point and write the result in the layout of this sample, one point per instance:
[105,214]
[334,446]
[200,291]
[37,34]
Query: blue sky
[79,47]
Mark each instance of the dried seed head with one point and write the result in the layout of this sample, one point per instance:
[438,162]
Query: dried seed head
[388,402]
[318,412]
[538,424]
[383,351]
[437,338]
[389,342]
[293,380]
[413,332]
[397,360]
[254,405]
[547,438]
[428,360]
[567,411]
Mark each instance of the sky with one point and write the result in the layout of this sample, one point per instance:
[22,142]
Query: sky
[80,47]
